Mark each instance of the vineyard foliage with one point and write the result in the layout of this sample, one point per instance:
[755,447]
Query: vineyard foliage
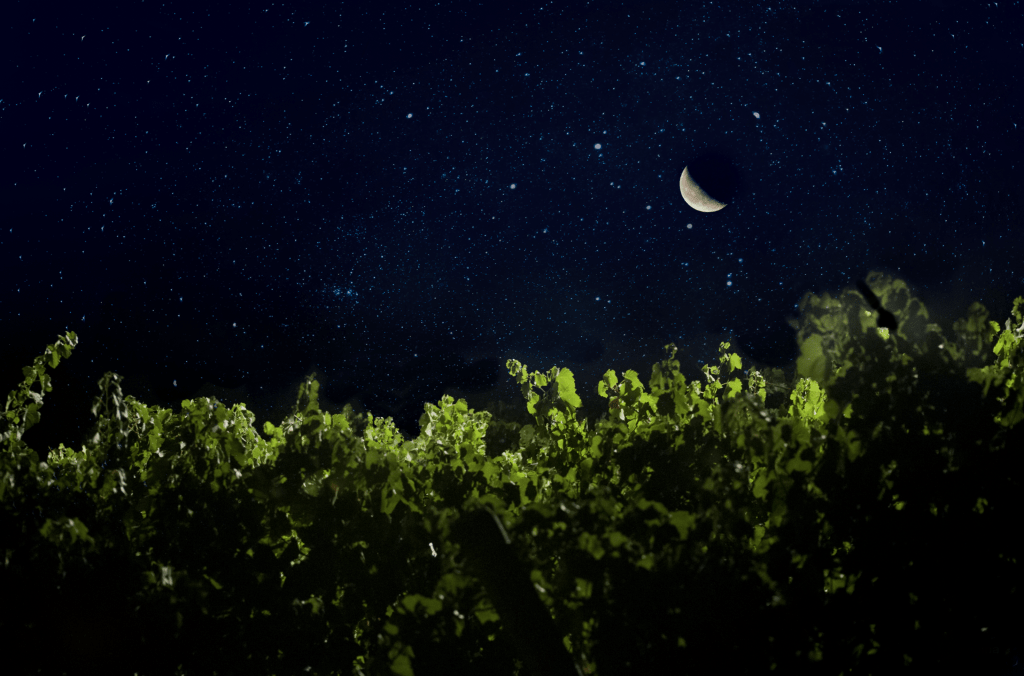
[863,518]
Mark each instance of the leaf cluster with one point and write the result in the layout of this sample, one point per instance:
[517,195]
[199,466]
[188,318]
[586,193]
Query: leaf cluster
[863,523]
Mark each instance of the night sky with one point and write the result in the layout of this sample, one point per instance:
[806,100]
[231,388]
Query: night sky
[220,200]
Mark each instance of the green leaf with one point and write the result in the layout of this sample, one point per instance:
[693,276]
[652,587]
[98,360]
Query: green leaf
[735,386]
[759,486]
[486,613]
[430,605]
[684,523]
[735,362]
[66,530]
[811,362]
[591,544]
[798,464]
[402,665]
[567,388]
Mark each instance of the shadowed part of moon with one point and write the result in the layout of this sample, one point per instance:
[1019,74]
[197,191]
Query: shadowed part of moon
[695,195]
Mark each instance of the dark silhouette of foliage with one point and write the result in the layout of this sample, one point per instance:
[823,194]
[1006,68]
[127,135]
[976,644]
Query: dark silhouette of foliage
[863,523]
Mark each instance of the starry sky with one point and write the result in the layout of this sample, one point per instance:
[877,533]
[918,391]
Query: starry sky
[222,198]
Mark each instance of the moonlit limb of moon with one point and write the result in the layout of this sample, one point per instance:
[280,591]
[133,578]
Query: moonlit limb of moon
[696,196]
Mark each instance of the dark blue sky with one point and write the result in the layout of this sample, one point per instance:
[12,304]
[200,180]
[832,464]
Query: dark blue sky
[221,200]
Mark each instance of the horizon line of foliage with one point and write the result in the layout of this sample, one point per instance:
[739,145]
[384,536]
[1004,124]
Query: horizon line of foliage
[863,518]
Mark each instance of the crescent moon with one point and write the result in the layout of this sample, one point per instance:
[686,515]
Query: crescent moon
[695,195]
